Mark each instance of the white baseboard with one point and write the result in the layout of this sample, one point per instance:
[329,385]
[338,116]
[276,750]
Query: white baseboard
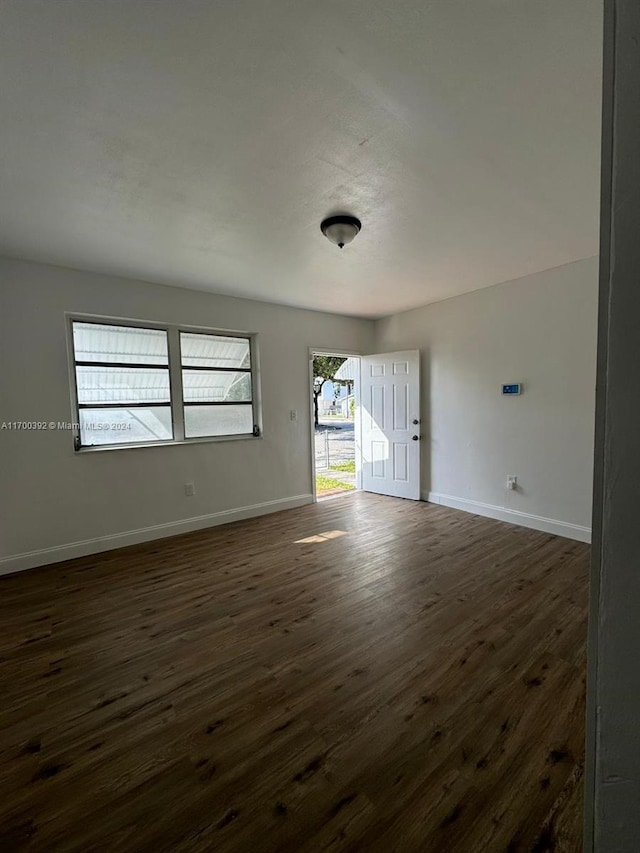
[44,556]
[512,516]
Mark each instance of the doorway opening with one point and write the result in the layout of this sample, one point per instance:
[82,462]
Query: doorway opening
[335,380]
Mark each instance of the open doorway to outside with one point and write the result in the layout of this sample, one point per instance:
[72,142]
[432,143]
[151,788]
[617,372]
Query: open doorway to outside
[335,380]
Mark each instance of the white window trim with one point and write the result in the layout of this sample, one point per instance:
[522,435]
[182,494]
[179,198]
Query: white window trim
[175,381]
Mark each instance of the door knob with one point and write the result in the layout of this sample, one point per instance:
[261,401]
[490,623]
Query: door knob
[415,438]
[415,421]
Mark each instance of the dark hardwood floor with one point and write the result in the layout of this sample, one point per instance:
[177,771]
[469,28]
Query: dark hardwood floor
[367,674]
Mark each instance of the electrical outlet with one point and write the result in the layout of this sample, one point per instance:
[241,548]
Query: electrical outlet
[512,482]
[189,490]
[293,415]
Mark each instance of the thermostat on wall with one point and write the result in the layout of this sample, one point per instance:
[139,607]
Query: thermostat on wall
[512,390]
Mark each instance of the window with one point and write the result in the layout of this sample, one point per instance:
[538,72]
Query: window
[122,384]
[138,384]
[216,384]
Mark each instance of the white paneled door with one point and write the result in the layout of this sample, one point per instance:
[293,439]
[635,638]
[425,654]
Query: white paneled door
[390,423]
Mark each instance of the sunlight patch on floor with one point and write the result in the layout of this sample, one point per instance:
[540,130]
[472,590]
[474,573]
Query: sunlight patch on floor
[322,537]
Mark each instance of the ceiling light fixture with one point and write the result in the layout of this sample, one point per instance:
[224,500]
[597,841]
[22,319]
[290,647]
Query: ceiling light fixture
[341,229]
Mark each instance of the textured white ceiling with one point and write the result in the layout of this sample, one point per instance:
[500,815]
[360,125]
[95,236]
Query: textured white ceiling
[201,143]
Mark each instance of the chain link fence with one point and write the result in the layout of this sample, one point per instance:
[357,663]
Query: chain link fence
[334,444]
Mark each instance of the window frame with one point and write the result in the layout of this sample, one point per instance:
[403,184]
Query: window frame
[175,368]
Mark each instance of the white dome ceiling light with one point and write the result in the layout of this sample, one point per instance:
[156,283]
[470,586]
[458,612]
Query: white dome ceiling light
[341,229]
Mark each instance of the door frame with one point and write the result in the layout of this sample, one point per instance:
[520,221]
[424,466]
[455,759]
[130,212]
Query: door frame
[339,353]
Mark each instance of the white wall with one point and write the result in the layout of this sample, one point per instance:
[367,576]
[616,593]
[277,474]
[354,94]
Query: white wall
[53,497]
[541,331]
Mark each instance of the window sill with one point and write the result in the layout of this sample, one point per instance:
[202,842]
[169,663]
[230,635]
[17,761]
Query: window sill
[207,439]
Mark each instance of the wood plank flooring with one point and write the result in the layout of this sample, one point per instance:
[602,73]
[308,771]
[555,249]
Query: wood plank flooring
[367,674]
